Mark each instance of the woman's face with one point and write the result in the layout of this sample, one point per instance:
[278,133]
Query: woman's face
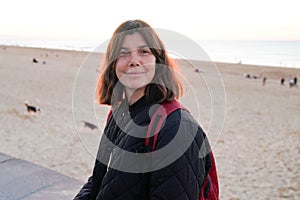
[135,66]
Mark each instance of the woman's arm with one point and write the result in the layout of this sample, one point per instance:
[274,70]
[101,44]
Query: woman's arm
[91,188]
[85,191]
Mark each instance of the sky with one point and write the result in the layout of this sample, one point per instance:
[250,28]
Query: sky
[197,19]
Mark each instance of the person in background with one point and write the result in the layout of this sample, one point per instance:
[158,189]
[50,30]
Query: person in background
[264,80]
[282,81]
[295,81]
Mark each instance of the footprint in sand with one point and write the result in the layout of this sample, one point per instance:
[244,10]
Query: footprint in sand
[16,113]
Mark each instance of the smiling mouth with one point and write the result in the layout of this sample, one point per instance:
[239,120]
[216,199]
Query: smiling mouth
[134,73]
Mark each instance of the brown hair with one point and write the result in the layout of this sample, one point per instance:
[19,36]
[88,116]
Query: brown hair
[165,85]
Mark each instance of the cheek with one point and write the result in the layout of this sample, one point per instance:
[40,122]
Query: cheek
[152,68]
[120,68]
[151,71]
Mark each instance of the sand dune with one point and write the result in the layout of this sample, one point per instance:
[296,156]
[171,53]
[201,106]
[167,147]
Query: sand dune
[257,151]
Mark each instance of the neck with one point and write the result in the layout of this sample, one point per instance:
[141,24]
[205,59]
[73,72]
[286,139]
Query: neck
[134,95]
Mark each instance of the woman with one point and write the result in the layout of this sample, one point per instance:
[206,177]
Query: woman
[138,76]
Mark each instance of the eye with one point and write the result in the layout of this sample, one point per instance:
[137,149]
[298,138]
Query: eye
[124,53]
[144,51]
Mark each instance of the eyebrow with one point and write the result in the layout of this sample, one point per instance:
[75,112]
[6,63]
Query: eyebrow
[140,47]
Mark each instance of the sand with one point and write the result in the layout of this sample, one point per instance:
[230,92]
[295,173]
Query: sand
[257,151]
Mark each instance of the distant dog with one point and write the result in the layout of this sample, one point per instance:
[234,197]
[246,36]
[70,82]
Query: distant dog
[34,60]
[89,125]
[32,109]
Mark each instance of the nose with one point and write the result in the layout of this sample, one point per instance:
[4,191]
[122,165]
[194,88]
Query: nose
[134,60]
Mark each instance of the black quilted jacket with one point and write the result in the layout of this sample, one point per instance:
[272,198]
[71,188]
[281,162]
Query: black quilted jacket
[178,174]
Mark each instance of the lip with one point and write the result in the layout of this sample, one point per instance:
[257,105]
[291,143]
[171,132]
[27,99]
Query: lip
[134,73]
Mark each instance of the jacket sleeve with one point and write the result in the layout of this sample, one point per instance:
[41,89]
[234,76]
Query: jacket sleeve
[84,193]
[91,188]
[183,178]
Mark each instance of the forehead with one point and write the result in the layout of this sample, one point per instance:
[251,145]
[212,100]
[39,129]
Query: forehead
[134,40]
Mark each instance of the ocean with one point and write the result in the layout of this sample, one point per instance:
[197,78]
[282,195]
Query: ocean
[268,53]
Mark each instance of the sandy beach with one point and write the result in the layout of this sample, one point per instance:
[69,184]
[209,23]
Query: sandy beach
[257,151]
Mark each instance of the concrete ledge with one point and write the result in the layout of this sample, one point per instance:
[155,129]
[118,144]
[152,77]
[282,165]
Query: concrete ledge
[24,180]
